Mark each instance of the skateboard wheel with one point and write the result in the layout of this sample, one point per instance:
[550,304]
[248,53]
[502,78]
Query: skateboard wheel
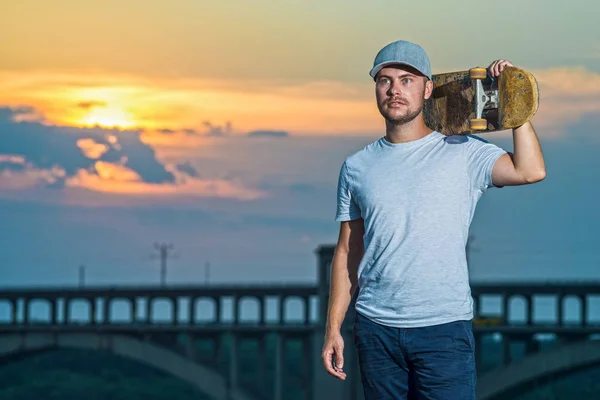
[478,124]
[478,73]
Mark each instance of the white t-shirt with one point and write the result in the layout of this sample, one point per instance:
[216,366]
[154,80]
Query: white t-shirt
[417,200]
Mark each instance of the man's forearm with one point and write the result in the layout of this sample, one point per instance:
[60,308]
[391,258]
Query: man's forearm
[528,158]
[343,284]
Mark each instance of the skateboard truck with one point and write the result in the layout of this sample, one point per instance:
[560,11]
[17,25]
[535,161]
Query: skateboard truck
[484,99]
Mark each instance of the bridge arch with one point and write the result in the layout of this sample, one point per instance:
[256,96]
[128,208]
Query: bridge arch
[537,367]
[204,379]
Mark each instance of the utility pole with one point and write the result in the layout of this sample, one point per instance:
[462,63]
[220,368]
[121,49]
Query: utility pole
[163,250]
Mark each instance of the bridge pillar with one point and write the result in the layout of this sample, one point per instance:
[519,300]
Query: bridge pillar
[279,367]
[26,303]
[53,312]
[583,310]
[92,302]
[233,378]
[106,310]
[560,300]
[529,299]
[65,310]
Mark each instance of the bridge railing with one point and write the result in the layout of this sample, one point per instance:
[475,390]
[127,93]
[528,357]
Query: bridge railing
[191,305]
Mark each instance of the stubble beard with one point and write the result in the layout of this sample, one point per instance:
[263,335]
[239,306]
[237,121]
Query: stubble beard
[402,119]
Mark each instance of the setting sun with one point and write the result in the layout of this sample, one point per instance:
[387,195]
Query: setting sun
[107,117]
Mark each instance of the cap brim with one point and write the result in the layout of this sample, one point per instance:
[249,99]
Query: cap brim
[380,66]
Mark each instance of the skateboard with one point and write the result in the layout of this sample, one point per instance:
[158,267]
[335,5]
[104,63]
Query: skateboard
[472,101]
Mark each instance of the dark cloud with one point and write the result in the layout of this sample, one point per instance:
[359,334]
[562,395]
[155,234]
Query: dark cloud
[46,146]
[215,130]
[18,114]
[191,132]
[91,104]
[6,165]
[268,133]
[209,130]
[187,168]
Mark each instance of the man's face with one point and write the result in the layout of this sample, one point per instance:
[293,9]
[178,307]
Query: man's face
[401,92]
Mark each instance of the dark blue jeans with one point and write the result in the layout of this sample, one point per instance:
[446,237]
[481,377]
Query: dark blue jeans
[433,363]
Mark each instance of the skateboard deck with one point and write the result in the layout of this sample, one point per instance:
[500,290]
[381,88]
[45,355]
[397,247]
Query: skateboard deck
[472,102]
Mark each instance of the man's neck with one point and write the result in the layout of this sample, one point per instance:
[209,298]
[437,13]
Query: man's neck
[413,130]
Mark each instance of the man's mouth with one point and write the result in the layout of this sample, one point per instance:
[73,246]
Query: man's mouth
[396,103]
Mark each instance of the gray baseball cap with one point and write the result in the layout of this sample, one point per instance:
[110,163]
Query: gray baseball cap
[402,52]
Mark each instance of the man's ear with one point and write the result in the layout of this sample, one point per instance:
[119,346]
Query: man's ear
[428,88]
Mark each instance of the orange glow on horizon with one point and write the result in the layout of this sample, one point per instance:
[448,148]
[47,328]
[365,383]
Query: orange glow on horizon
[130,102]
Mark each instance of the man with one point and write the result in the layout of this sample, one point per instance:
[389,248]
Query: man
[405,203]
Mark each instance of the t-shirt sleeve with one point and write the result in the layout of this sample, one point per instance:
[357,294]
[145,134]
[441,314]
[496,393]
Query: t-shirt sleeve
[482,156]
[347,208]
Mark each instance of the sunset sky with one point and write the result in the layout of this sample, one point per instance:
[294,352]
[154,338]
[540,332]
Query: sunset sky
[221,127]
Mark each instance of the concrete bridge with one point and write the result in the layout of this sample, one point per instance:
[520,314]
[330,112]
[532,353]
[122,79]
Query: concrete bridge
[174,341]
[282,322]
[205,379]
[515,378]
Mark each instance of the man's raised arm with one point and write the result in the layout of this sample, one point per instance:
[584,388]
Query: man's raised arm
[526,164]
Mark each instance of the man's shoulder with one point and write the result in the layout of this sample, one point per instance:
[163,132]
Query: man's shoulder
[363,155]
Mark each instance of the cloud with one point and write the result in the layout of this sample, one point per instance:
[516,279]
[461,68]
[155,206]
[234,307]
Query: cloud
[22,114]
[29,176]
[115,179]
[212,130]
[15,162]
[268,133]
[78,148]
[191,132]
[91,149]
[187,168]
[98,160]
[91,104]
[114,172]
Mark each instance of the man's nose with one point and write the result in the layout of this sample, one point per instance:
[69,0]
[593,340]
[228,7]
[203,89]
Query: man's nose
[394,89]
